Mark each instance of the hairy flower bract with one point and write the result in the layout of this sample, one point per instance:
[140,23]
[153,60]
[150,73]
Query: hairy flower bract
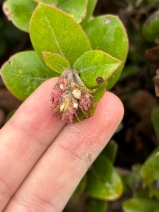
[70,95]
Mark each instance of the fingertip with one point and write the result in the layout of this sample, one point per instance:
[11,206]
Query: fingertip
[113,104]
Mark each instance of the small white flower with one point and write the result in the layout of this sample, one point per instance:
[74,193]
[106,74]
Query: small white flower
[76,93]
[61,86]
[62,108]
[75,105]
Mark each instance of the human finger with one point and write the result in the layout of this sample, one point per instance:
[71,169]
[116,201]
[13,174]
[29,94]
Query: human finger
[25,138]
[54,178]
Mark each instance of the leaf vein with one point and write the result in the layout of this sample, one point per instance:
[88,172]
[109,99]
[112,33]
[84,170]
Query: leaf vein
[55,38]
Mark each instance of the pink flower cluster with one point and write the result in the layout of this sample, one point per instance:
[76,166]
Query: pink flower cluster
[70,95]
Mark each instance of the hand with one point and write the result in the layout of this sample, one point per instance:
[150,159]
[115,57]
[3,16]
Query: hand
[42,159]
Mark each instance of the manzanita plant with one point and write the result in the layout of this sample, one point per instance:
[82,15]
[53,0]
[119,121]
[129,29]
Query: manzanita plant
[87,54]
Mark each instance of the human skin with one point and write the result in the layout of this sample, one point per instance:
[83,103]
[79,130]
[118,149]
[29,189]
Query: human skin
[42,159]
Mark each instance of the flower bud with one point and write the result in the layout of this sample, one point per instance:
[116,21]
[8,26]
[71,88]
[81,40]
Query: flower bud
[76,93]
[62,108]
[69,95]
[75,105]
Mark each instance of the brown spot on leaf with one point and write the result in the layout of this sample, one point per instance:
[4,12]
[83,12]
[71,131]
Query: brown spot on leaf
[99,80]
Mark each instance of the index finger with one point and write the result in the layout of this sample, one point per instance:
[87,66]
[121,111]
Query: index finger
[24,139]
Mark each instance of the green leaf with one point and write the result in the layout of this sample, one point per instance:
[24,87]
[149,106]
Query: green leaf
[110,151]
[94,205]
[150,28]
[76,8]
[103,181]
[56,62]
[155,120]
[19,12]
[23,73]
[107,33]
[90,9]
[140,205]
[59,33]
[94,65]
[150,173]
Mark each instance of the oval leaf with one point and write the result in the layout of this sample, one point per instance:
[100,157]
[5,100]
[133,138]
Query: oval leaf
[150,173]
[103,181]
[56,62]
[23,73]
[140,205]
[107,33]
[95,65]
[19,12]
[63,35]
